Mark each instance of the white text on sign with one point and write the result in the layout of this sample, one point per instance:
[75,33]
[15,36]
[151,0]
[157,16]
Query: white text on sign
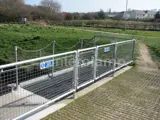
[46,64]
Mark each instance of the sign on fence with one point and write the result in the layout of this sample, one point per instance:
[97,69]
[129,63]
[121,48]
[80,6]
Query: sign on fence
[107,49]
[46,64]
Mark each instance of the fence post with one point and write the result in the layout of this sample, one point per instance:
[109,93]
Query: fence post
[95,63]
[82,43]
[53,45]
[16,59]
[114,58]
[133,50]
[41,53]
[95,42]
[76,65]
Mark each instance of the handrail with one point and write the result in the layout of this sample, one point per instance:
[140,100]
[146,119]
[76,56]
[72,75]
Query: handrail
[57,55]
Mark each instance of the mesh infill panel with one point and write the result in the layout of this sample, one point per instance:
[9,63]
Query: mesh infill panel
[124,53]
[105,59]
[86,61]
[52,81]
[36,85]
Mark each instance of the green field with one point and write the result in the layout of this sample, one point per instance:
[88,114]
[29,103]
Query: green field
[35,37]
[150,38]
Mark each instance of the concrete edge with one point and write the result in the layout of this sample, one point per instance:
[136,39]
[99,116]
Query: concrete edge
[61,104]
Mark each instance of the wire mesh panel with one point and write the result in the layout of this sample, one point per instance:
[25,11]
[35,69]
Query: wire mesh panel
[86,65]
[52,81]
[33,83]
[105,59]
[7,78]
[14,101]
[39,82]
[124,53]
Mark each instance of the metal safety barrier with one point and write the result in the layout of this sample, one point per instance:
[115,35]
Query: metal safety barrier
[28,86]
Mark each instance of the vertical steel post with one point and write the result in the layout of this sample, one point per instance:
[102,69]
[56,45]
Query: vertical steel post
[82,43]
[16,59]
[40,53]
[95,63]
[114,58]
[95,41]
[133,49]
[53,45]
[76,65]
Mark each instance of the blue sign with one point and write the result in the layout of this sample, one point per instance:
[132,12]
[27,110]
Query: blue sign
[107,49]
[46,64]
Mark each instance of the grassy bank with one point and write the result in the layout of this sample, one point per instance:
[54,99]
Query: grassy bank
[150,38]
[35,37]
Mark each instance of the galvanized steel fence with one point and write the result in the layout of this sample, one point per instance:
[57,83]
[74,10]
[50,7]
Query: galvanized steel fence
[28,86]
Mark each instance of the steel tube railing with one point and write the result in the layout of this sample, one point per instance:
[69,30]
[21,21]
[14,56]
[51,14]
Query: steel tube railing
[80,73]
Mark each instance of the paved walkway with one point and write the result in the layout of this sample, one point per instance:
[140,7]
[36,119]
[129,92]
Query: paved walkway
[134,95]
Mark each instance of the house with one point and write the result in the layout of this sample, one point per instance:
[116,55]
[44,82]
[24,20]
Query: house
[111,14]
[137,14]
[141,14]
[150,14]
[123,15]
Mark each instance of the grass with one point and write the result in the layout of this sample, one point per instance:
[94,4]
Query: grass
[131,32]
[114,21]
[33,37]
[150,38]
[133,95]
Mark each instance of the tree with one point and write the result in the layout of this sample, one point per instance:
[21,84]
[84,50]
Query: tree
[157,16]
[11,9]
[14,10]
[88,16]
[51,6]
[68,16]
[76,16]
[101,14]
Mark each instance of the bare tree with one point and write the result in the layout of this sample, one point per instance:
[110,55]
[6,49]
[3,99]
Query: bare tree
[51,5]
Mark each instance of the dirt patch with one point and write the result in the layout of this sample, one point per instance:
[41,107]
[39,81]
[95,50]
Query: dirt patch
[145,61]
[40,22]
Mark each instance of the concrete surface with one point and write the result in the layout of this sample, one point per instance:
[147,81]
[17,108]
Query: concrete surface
[79,94]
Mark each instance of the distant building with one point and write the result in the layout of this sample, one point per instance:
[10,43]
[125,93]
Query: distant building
[137,14]
[140,14]
[111,14]
[132,14]
[150,14]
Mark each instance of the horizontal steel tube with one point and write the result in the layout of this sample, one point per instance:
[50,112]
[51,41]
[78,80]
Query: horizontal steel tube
[126,41]
[43,106]
[92,48]
[35,60]
[123,65]
[106,45]
[85,84]
[104,74]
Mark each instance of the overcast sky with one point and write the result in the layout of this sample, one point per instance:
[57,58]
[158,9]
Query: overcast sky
[96,5]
